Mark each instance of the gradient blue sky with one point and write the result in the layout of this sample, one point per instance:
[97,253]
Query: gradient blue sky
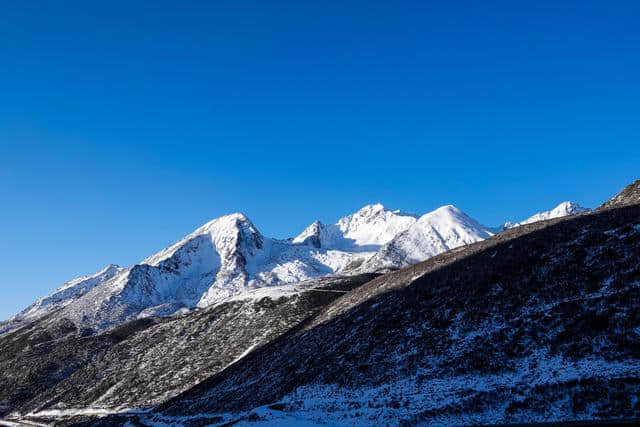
[125,125]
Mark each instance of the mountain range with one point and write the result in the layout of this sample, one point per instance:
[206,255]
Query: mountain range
[383,318]
[228,256]
[539,323]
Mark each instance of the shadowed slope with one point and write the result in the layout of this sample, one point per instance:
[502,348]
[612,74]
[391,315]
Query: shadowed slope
[145,362]
[539,323]
[630,195]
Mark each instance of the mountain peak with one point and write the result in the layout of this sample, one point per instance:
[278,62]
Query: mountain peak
[364,230]
[220,231]
[440,230]
[232,219]
[450,214]
[371,209]
[563,209]
[570,207]
[447,209]
[373,225]
[109,268]
[376,209]
[312,235]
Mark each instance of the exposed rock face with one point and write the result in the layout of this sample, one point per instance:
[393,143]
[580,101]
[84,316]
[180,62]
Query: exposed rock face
[541,322]
[630,195]
[50,366]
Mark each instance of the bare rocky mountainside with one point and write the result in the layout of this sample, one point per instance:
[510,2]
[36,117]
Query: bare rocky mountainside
[51,369]
[630,195]
[539,322]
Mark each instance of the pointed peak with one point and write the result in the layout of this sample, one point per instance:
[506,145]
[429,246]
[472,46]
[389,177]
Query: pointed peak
[108,269]
[570,206]
[447,208]
[371,209]
[233,220]
[235,225]
[448,214]
[311,235]
[377,209]
[238,216]
[313,228]
[563,209]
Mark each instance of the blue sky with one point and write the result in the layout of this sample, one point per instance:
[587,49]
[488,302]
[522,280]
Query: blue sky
[125,125]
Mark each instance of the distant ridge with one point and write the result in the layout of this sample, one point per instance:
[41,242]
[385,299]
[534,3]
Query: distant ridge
[630,195]
[228,256]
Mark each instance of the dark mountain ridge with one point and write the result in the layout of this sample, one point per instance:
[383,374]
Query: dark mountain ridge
[539,323]
[54,368]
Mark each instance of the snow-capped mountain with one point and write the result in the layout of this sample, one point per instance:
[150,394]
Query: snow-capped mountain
[368,229]
[67,293]
[488,334]
[404,347]
[563,209]
[228,256]
[221,259]
[433,233]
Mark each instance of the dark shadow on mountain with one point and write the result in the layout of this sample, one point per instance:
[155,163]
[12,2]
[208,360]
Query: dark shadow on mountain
[563,291]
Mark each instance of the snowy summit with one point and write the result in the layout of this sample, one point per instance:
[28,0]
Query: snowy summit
[228,257]
[562,210]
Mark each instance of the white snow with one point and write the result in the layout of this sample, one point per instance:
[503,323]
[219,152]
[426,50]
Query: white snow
[562,210]
[436,232]
[228,257]
[366,230]
[67,293]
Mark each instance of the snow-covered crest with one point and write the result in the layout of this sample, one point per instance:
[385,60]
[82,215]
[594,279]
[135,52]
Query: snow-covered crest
[219,231]
[228,256]
[374,225]
[367,229]
[67,293]
[433,233]
[562,210]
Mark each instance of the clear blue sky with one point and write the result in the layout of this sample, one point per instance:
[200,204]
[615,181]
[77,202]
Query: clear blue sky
[125,125]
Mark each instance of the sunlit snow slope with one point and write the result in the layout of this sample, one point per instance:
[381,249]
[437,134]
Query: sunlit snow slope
[229,256]
[563,209]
